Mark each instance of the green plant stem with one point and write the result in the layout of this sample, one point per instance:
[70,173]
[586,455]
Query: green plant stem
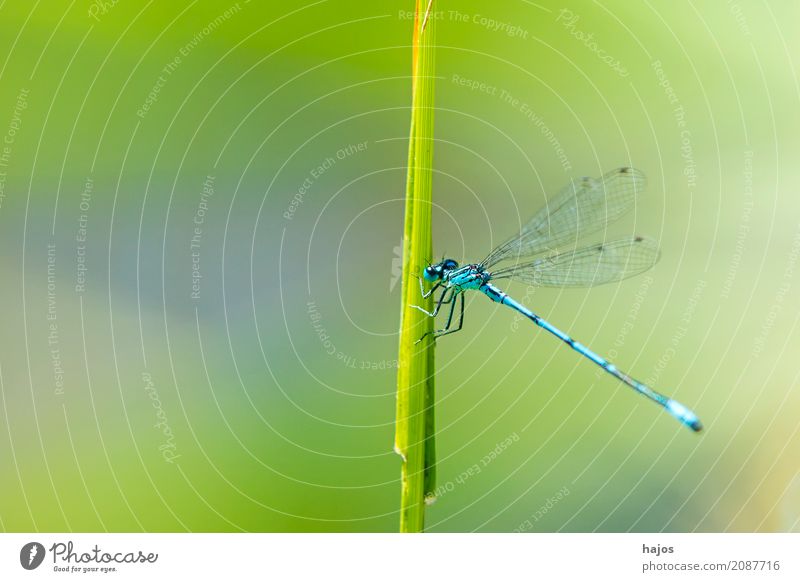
[414,436]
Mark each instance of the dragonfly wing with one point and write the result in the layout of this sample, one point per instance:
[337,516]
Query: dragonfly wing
[582,207]
[593,265]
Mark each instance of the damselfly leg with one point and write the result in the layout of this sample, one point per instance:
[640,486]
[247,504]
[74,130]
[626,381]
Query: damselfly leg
[439,303]
[446,329]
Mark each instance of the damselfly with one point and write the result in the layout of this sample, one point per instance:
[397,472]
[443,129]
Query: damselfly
[581,208]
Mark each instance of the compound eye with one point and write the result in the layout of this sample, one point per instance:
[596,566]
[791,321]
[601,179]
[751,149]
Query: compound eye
[430,273]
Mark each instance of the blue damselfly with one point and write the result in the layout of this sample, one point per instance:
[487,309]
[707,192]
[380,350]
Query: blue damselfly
[581,208]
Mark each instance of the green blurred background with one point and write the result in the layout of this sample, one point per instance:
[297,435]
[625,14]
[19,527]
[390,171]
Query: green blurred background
[201,264]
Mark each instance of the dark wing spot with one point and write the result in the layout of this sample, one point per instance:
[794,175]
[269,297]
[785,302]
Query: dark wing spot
[638,239]
[600,248]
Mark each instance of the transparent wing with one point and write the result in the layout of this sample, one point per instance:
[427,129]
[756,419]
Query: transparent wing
[582,207]
[588,266]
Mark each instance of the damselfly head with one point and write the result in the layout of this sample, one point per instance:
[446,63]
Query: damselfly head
[436,272]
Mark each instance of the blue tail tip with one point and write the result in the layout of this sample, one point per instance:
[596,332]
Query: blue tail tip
[683,414]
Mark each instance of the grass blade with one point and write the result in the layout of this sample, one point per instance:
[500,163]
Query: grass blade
[414,435]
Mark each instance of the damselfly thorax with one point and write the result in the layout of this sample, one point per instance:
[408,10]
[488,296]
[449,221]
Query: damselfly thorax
[466,277]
